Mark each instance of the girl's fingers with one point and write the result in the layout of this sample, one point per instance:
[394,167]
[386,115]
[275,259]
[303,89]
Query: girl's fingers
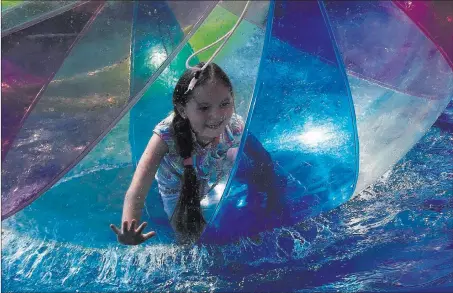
[133,224]
[115,229]
[141,228]
[125,227]
[149,235]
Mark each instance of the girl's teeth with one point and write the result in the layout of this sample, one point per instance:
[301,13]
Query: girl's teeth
[215,125]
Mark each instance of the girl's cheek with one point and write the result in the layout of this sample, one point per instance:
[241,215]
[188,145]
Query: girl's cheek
[229,112]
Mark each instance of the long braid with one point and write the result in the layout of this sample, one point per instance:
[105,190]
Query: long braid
[187,218]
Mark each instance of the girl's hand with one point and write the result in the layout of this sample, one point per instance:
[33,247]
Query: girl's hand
[132,236]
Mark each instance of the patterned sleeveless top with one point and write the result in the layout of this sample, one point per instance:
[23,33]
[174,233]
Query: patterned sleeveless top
[210,162]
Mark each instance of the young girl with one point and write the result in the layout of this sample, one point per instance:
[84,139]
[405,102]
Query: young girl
[188,153]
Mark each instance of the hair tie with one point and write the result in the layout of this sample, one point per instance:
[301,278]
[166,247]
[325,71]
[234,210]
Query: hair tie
[198,73]
[188,162]
[194,80]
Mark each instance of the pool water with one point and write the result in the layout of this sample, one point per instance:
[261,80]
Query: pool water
[396,236]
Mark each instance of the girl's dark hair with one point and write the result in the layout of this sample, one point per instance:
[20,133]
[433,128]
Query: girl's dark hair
[187,218]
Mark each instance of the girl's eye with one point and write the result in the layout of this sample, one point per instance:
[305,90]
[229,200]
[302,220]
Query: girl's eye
[203,109]
[226,104]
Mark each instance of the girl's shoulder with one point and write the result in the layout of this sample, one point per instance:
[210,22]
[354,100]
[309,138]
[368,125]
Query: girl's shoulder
[164,129]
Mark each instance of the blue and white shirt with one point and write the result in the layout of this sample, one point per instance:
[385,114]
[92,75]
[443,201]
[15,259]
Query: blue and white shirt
[210,162]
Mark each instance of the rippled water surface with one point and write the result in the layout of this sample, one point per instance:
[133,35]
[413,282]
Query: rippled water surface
[395,236]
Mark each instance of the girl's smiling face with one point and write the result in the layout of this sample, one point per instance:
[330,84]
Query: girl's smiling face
[209,111]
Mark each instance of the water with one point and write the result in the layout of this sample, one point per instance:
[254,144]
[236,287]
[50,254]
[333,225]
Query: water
[396,236]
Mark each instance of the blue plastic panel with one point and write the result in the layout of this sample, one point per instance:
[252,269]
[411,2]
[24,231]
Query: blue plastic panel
[303,116]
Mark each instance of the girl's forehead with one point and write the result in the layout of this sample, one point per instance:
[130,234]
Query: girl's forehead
[210,93]
[211,87]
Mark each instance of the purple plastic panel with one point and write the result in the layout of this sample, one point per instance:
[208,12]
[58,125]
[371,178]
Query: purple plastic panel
[381,44]
[31,57]
[400,81]
[317,43]
[84,100]
[435,19]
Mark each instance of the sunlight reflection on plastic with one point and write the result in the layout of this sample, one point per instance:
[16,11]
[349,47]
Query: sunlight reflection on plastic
[242,202]
[213,200]
[156,56]
[317,136]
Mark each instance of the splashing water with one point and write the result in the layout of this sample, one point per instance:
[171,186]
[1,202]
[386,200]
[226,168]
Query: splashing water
[396,235]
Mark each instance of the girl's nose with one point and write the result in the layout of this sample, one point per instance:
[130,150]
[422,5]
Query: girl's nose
[217,112]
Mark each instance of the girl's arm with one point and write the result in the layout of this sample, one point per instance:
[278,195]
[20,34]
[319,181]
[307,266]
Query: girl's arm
[143,178]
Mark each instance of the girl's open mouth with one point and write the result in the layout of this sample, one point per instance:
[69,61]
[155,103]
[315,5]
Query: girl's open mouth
[214,126]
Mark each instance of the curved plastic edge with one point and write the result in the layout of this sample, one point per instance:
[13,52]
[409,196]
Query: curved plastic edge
[125,110]
[42,17]
[256,91]
[348,89]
